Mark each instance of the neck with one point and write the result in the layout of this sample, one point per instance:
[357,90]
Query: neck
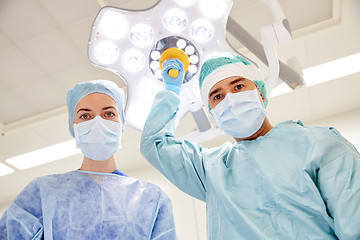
[107,166]
[264,129]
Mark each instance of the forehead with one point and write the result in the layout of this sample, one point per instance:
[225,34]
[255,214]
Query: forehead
[94,100]
[231,80]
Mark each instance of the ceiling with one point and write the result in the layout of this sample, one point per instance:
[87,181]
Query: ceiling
[43,53]
[43,46]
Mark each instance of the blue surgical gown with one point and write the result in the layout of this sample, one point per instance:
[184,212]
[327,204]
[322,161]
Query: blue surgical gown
[89,205]
[295,182]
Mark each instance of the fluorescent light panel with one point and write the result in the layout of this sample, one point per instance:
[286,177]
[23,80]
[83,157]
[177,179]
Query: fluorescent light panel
[44,155]
[279,90]
[332,70]
[324,72]
[4,170]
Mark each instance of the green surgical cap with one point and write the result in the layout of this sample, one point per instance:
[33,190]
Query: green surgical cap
[261,85]
[230,65]
[214,63]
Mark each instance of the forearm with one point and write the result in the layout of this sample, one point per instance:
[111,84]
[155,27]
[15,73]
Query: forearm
[180,161]
[338,182]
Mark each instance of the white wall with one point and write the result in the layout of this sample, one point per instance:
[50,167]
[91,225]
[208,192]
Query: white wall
[3,208]
[347,124]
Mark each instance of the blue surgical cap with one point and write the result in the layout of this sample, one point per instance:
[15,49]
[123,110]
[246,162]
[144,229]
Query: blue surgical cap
[227,65]
[83,89]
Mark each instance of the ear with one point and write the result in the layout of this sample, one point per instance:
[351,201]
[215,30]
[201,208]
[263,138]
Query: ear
[262,98]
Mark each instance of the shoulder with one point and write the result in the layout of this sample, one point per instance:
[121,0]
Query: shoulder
[55,178]
[38,181]
[327,139]
[212,155]
[298,128]
[149,190]
[146,185]
[142,185]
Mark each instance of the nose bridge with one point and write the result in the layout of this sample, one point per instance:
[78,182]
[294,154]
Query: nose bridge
[98,112]
[229,89]
[97,119]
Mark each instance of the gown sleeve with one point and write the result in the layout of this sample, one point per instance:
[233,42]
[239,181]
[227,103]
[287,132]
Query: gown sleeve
[164,226]
[23,218]
[179,160]
[339,184]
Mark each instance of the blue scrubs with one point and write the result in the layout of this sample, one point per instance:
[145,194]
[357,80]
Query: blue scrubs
[89,205]
[295,182]
[119,173]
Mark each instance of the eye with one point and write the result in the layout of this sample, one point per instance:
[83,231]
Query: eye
[217,97]
[85,116]
[109,114]
[239,86]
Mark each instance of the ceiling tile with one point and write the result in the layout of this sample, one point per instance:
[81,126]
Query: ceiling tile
[351,12]
[4,42]
[23,19]
[42,95]
[3,88]
[335,97]
[68,11]
[337,42]
[133,5]
[244,3]
[294,10]
[81,73]
[292,49]
[58,134]
[246,18]
[53,52]
[316,11]
[19,141]
[16,69]
[79,32]
[109,75]
[12,108]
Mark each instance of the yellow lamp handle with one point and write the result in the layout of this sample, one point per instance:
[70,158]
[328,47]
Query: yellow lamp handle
[174,53]
[173,73]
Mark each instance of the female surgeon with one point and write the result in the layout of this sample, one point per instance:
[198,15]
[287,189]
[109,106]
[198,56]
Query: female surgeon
[287,181]
[97,201]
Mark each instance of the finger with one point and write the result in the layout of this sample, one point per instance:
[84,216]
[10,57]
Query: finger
[165,74]
[175,63]
[170,67]
[169,61]
[181,65]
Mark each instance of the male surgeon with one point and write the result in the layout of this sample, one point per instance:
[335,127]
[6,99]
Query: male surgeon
[287,181]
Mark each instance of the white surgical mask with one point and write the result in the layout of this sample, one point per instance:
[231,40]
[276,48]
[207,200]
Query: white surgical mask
[98,138]
[240,114]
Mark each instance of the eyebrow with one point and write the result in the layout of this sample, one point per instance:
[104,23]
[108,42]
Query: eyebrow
[215,91]
[106,108]
[239,79]
[83,109]
[89,110]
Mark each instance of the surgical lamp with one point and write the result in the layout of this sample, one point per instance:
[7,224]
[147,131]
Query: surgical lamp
[134,44]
